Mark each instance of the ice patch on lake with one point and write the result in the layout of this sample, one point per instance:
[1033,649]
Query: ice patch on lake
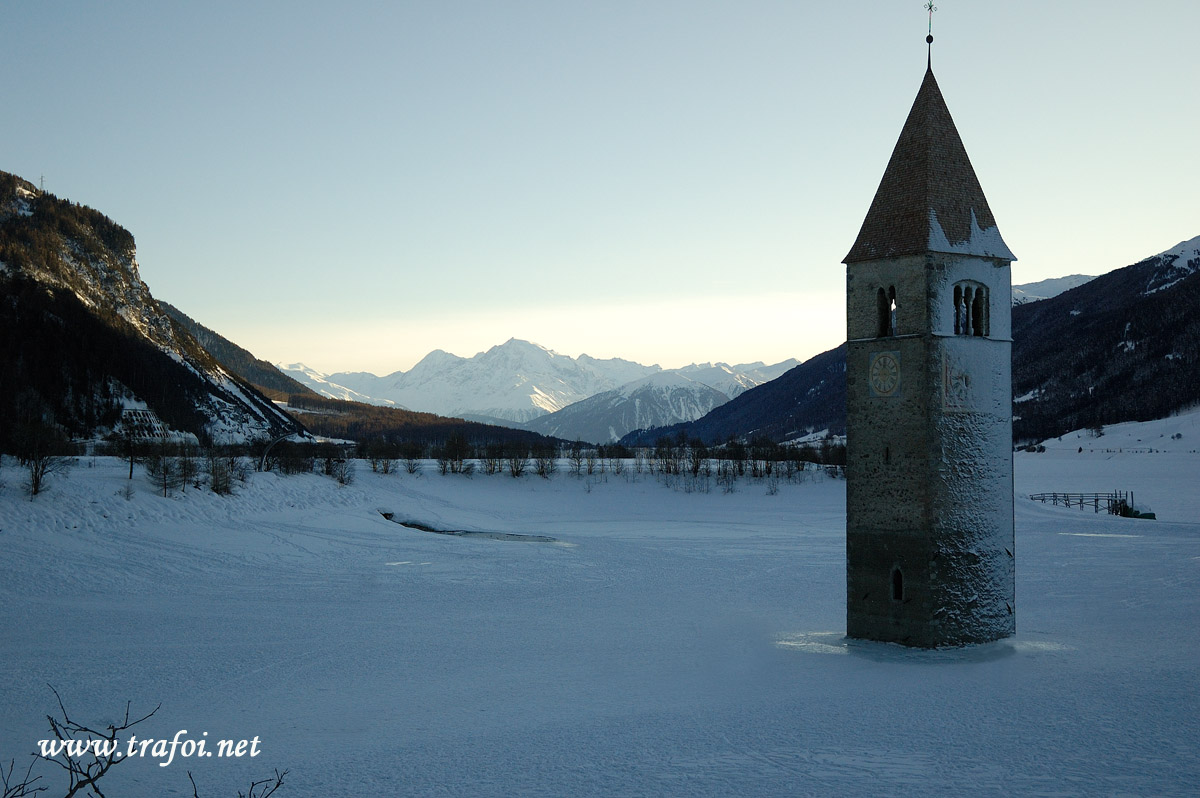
[837,643]
[465,533]
[815,642]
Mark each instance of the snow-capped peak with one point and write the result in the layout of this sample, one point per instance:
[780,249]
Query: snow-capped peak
[520,344]
[322,384]
[662,380]
[1177,263]
[300,368]
[1045,289]
[656,400]
[519,380]
[1185,249]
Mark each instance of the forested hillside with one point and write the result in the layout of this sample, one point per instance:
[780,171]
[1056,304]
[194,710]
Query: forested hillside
[84,338]
[1122,347]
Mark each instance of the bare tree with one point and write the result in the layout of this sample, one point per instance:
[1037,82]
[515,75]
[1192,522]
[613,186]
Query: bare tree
[162,469]
[85,765]
[382,456]
[493,458]
[575,459]
[220,472]
[19,789]
[544,463]
[258,789]
[88,753]
[129,444]
[697,454]
[342,469]
[42,450]
[189,470]
[412,452]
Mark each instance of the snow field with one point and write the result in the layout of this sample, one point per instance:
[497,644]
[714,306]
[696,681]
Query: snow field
[671,643]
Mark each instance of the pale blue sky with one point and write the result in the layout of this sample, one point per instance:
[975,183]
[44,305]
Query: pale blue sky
[354,184]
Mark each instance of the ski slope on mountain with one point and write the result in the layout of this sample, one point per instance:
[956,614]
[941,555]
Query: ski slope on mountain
[668,643]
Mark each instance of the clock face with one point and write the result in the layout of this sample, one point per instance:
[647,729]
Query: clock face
[885,373]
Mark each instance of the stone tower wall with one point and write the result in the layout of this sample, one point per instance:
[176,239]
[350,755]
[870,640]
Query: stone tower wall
[929,461]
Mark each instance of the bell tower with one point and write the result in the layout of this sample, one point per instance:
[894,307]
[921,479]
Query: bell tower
[929,491]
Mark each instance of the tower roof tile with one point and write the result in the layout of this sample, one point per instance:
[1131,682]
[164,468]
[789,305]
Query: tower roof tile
[929,199]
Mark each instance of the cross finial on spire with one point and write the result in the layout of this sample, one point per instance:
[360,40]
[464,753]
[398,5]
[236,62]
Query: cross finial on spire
[930,7]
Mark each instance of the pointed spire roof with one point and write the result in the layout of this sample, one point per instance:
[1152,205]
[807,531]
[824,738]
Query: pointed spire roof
[929,199]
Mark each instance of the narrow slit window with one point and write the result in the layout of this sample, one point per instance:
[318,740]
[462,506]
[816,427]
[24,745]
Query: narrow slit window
[881,327]
[897,585]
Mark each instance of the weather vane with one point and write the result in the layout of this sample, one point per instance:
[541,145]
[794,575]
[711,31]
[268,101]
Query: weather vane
[929,38]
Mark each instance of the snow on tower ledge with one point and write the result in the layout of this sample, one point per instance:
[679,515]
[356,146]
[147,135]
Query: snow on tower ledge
[929,199]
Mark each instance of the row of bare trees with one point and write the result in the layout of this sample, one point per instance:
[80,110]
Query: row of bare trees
[759,459]
[331,459]
[172,466]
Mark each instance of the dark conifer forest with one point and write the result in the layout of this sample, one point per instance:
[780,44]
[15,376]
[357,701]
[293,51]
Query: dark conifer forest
[337,418]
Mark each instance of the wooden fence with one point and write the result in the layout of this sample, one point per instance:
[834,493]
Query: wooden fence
[1115,503]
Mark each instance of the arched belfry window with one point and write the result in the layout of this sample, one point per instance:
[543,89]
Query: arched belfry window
[971,309]
[885,300]
[897,585]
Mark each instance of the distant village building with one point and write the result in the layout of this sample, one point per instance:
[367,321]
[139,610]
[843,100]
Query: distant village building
[929,495]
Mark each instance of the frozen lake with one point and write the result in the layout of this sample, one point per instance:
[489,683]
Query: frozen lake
[668,642]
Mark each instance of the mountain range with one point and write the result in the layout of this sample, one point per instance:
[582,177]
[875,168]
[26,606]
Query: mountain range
[806,399]
[512,382]
[661,399]
[530,386]
[85,341]
[1044,289]
[519,383]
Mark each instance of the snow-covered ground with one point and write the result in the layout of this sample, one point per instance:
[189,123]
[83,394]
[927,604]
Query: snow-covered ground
[669,643]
